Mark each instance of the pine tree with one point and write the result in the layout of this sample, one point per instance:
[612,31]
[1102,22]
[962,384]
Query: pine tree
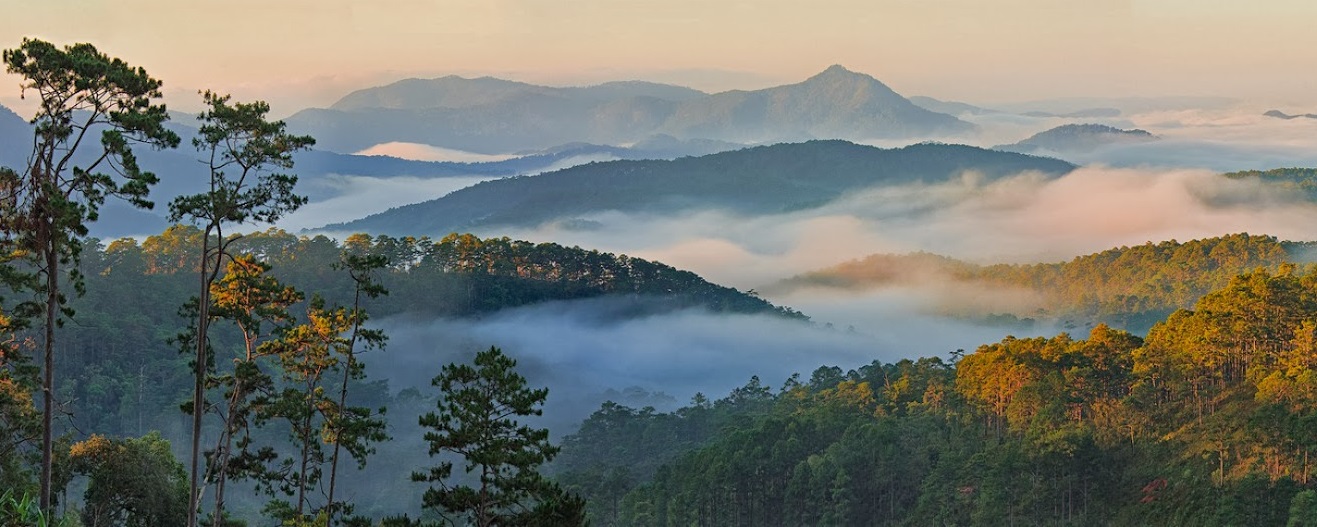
[477,419]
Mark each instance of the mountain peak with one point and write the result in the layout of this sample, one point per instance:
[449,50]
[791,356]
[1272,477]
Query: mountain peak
[838,75]
[837,71]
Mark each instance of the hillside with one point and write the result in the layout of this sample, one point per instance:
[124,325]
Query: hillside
[135,289]
[837,103]
[1207,421]
[767,179]
[1296,181]
[1130,287]
[495,116]
[15,138]
[1072,138]
[949,107]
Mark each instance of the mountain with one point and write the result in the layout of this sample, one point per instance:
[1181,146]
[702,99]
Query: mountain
[1282,115]
[1125,105]
[837,103]
[15,139]
[1077,138]
[495,116]
[765,179]
[320,172]
[457,92]
[949,107]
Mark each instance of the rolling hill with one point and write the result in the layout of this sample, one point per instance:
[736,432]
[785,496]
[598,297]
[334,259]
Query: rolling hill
[766,179]
[1130,287]
[1072,138]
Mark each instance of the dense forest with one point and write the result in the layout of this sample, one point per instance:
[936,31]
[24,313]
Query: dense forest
[1126,287]
[124,376]
[1206,421]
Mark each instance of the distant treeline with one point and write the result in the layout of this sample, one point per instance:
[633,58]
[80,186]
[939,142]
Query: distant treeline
[1128,287]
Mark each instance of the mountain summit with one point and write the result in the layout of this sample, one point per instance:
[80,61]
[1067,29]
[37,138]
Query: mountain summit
[496,116]
[836,103]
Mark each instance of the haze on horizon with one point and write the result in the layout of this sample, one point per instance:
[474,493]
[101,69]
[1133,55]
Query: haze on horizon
[300,54]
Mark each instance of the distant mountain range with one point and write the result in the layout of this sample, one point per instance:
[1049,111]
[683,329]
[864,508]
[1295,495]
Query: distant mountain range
[960,108]
[1282,115]
[457,92]
[1073,138]
[181,173]
[494,116]
[766,179]
[15,138]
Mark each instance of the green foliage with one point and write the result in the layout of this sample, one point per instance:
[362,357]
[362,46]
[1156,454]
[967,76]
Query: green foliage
[240,146]
[20,424]
[20,510]
[477,419]
[134,482]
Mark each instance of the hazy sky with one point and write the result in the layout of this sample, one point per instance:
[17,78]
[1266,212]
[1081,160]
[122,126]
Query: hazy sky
[298,53]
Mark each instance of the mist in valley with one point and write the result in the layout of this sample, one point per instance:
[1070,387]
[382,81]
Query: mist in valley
[1116,200]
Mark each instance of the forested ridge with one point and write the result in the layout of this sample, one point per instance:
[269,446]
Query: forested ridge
[124,376]
[768,179]
[1207,421]
[119,337]
[1128,287]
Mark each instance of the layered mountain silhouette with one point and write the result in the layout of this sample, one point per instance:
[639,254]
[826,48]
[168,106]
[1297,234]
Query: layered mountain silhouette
[457,92]
[491,116]
[1282,115]
[15,138]
[950,107]
[759,180]
[1073,138]
[180,172]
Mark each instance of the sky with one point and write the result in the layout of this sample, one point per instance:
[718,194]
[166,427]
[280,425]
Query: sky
[302,53]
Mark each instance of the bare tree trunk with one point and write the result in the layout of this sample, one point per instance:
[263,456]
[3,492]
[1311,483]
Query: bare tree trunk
[342,403]
[199,388]
[48,376]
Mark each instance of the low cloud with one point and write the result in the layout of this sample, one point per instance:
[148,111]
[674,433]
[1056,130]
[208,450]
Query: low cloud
[581,349]
[1027,218]
[354,197]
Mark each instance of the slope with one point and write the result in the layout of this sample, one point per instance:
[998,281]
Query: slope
[494,116]
[1130,287]
[767,179]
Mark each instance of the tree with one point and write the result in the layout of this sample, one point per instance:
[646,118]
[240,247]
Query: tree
[307,353]
[135,482]
[82,92]
[477,419]
[240,148]
[258,305]
[347,427]
[19,423]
